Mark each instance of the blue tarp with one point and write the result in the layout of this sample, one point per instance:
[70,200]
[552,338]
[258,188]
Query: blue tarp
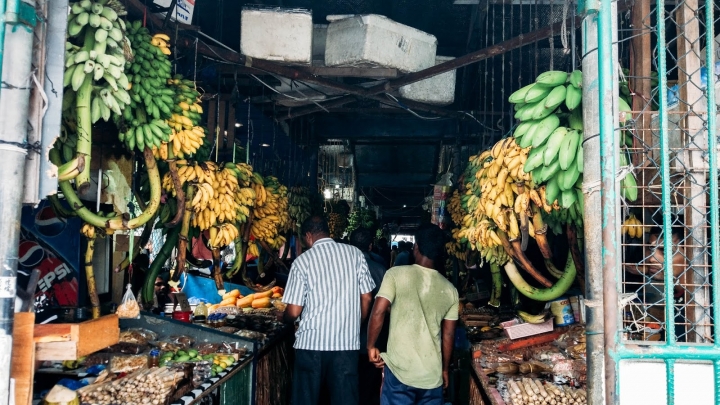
[202,287]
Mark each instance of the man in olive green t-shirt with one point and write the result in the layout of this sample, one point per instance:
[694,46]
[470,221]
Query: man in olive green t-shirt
[423,309]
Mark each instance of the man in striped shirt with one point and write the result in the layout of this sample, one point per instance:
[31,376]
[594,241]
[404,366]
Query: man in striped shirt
[329,289]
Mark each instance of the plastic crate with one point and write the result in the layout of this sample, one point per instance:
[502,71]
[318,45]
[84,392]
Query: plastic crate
[515,330]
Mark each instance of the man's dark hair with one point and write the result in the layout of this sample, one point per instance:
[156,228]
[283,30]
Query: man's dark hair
[361,238]
[316,225]
[430,241]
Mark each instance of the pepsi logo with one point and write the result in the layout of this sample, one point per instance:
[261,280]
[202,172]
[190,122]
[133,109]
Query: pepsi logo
[30,254]
[47,223]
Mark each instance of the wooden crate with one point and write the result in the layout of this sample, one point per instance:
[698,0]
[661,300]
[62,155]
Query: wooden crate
[23,357]
[70,341]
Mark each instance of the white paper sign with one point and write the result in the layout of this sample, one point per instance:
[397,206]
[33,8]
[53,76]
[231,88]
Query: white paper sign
[183,11]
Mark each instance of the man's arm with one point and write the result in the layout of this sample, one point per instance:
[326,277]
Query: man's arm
[377,319]
[365,301]
[292,313]
[448,340]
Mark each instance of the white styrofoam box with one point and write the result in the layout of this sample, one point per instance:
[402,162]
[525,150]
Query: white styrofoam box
[377,41]
[276,34]
[318,43]
[438,89]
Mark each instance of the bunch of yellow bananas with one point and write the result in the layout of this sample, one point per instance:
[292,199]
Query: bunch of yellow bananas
[223,235]
[454,207]
[494,255]
[337,224]
[253,249]
[187,141]
[454,248]
[161,41]
[633,227]
[88,230]
[271,212]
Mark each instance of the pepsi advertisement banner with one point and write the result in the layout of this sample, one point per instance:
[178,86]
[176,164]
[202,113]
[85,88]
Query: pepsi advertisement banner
[52,245]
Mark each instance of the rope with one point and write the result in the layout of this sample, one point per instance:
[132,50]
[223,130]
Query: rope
[563,28]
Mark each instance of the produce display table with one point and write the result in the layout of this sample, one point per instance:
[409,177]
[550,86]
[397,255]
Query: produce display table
[557,364]
[239,372]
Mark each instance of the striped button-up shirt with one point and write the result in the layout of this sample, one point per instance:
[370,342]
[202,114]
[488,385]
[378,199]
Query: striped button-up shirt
[327,281]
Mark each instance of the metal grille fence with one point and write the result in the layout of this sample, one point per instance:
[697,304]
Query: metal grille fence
[668,280]
[687,192]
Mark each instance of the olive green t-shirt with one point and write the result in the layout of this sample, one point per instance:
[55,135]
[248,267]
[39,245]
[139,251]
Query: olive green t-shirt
[420,299]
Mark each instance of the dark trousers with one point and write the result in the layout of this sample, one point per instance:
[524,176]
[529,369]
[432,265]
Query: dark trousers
[395,392]
[370,381]
[314,369]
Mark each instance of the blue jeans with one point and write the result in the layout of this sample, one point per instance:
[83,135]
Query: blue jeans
[395,392]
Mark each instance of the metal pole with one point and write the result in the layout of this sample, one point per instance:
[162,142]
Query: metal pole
[592,103]
[14,106]
[609,147]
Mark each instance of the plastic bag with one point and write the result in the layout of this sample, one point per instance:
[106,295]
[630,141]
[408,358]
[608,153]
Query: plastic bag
[129,307]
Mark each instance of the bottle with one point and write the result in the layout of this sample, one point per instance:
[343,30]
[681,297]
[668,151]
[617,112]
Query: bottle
[201,313]
[154,358]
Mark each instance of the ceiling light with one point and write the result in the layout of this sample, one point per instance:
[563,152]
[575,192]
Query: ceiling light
[238,125]
[265,145]
[404,206]
[327,194]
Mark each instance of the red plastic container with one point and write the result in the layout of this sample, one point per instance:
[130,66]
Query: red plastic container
[183,316]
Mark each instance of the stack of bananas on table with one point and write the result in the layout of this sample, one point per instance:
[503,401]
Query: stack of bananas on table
[271,212]
[143,124]
[633,227]
[96,54]
[299,206]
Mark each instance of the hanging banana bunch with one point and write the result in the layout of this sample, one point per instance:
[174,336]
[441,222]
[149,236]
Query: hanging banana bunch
[633,227]
[298,206]
[96,87]
[95,82]
[187,134]
[271,215]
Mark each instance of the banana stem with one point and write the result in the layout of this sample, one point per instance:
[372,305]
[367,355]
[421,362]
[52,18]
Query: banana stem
[544,245]
[273,258]
[217,274]
[183,242]
[542,294]
[58,208]
[144,238]
[496,286]
[71,169]
[83,100]
[514,250]
[90,276]
[117,223]
[155,192]
[571,233]
[179,194]
[149,286]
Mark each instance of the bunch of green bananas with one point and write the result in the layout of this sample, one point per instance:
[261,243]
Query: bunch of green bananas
[361,218]
[299,206]
[556,157]
[99,61]
[151,99]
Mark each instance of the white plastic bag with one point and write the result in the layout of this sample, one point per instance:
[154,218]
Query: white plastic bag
[129,307]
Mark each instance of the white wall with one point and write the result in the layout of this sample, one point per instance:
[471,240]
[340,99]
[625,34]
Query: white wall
[644,382]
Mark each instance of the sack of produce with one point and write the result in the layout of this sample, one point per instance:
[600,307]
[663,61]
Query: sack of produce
[129,307]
